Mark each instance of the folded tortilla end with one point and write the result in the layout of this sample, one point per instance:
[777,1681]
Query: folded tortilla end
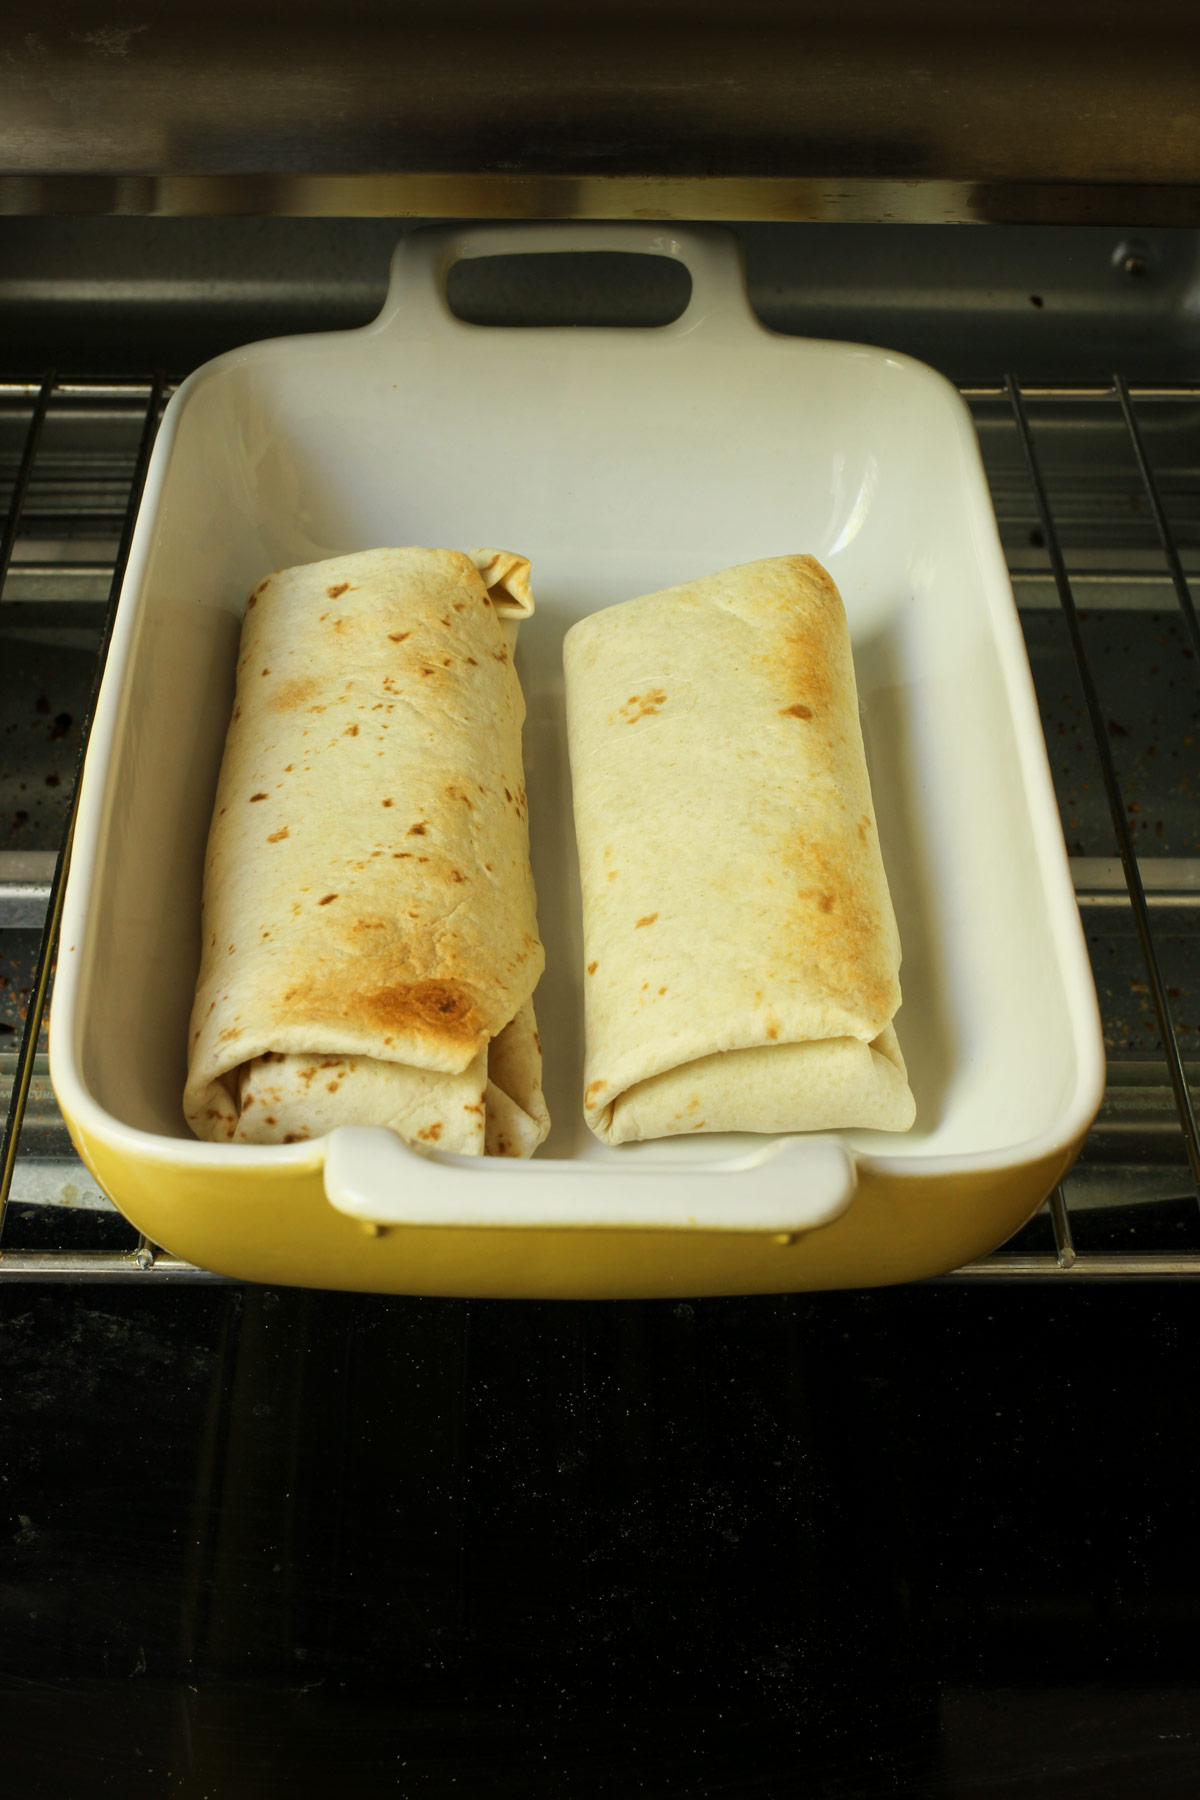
[505,575]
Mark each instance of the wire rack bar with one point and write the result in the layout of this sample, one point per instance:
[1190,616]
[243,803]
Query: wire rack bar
[1169,549]
[82,390]
[16,504]
[1086,1267]
[998,391]
[1112,788]
[1060,1219]
[45,959]
[101,1265]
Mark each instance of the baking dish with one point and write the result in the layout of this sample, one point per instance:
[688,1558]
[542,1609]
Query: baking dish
[619,461]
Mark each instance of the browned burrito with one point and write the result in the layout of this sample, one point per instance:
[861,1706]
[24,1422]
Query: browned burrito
[741,954]
[369,929]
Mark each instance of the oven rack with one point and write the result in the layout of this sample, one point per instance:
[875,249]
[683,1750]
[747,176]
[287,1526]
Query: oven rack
[73,460]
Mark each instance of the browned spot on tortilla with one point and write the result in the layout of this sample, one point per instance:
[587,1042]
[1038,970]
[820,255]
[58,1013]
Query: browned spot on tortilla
[456,876]
[387,803]
[592,967]
[472,662]
[455,795]
[638,706]
[662,990]
[699,1125]
[799,711]
[271,1119]
[350,731]
[247,1100]
[266,671]
[501,655]
[288,767]
[473,1106]
[429,671]
[833,932]
[612,874]
[772,1032]
[335,592]
[398,637]
[537,1043]
[326,900]
[593,1088]
[255,797]
[460,606]
[331,1087]
[417,830]
[432,1132]
[402,855]
[805,652]
[290,696]
[438,1009]
[272,1056]
[295,1137]
[277,837]
[648,920]
[864,827]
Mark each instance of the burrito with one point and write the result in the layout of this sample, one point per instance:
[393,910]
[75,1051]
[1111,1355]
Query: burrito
[741,955]
[369,928]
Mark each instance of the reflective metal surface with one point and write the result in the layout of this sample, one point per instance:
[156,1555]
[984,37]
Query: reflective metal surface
[440,194]
[703,109]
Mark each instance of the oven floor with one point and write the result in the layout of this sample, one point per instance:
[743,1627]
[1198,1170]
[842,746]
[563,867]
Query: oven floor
[928,1542]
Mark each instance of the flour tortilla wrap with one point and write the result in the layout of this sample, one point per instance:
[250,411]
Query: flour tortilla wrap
[741,953]
[370,941]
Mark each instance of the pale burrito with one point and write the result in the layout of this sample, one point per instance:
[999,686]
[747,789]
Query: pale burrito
[740,950]
[369,932]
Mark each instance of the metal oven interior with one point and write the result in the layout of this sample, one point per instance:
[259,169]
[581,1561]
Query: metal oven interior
[1093,473]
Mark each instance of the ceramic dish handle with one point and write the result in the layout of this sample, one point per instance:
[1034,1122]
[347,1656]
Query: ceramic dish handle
[782,1186]
[416,299]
